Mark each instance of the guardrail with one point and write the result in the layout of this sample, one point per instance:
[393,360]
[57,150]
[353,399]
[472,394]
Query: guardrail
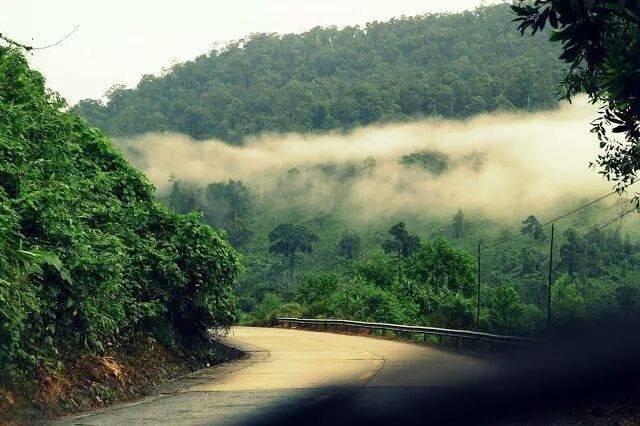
[411,330]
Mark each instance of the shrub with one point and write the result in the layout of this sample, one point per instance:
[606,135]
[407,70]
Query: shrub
[363,301]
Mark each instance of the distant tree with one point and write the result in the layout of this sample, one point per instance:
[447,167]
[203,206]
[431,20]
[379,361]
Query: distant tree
[370,166]
[377,268]
[361,300]
[455,311]
[288,239]
[533,227]
[458,224]
[349,246]
[231,200]
[402,245]
[315,288]
[293,174]
[183,198]
[238,232]
[435,162]
[601,42]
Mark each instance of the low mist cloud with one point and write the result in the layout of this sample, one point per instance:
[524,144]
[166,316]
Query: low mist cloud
[500,164]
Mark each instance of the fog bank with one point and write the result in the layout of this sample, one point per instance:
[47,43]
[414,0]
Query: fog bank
[500,164]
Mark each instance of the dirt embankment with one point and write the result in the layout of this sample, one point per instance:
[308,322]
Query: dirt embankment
[124,373]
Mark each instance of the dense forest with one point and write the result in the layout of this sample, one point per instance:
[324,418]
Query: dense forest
[450,65]
[88,257]
[306,257]
[303,260]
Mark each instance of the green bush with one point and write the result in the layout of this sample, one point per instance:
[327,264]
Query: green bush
[567,303]
[507,314]
[87,255]
[273,306]
[364,301]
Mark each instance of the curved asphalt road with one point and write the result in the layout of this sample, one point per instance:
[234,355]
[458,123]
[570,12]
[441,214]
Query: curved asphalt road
[287,369]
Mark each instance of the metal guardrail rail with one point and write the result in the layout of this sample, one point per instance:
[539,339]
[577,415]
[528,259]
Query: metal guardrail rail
[413,329]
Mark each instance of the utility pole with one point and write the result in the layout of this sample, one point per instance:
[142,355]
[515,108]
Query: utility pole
[550,280]
[478,289]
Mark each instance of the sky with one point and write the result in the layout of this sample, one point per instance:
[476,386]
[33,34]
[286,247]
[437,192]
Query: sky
[117,41]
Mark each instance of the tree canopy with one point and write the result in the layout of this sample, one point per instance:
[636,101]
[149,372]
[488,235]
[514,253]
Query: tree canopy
[450,65]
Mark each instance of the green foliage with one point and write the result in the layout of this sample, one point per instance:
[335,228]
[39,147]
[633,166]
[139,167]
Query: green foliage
[455,311]
[350,245]
[377,268]
[364,301]
[317,286]
[441,267]
[230,201]
[402,245]
[507,314]
[533,227]
[451,65]
[435,162]
[567,304]
[226,206]
[288,238]
[458,224]
[87,255]
[600,41]
[272,307]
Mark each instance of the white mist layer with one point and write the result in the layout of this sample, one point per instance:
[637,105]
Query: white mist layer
[534,162]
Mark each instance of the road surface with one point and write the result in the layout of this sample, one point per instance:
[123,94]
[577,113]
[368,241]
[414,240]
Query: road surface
[287,369]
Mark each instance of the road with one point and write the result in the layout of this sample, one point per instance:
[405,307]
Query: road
[287,369]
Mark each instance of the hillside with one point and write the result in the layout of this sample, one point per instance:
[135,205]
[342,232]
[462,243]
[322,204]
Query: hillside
[89,260]
[312,214]
[451,65]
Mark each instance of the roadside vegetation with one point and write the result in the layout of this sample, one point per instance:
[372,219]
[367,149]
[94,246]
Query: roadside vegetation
[89,259]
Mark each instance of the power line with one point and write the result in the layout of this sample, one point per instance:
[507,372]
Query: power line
[59,41]
[30,48]
[615,219]
[562,216]
[580,208]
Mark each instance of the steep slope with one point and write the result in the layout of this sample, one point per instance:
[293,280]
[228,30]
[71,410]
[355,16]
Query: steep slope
[87,256]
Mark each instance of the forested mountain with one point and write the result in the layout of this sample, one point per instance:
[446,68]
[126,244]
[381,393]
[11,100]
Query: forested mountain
[451,65]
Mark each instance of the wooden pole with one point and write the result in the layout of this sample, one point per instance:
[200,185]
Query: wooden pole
[550,279]
[478,289]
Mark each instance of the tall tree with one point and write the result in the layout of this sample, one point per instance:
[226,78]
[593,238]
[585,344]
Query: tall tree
[402,245]
[533,227]
[458,224]
[370,164]
[288,239]
[601,43]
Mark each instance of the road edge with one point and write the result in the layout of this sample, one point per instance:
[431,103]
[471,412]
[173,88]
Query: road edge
[244,356]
